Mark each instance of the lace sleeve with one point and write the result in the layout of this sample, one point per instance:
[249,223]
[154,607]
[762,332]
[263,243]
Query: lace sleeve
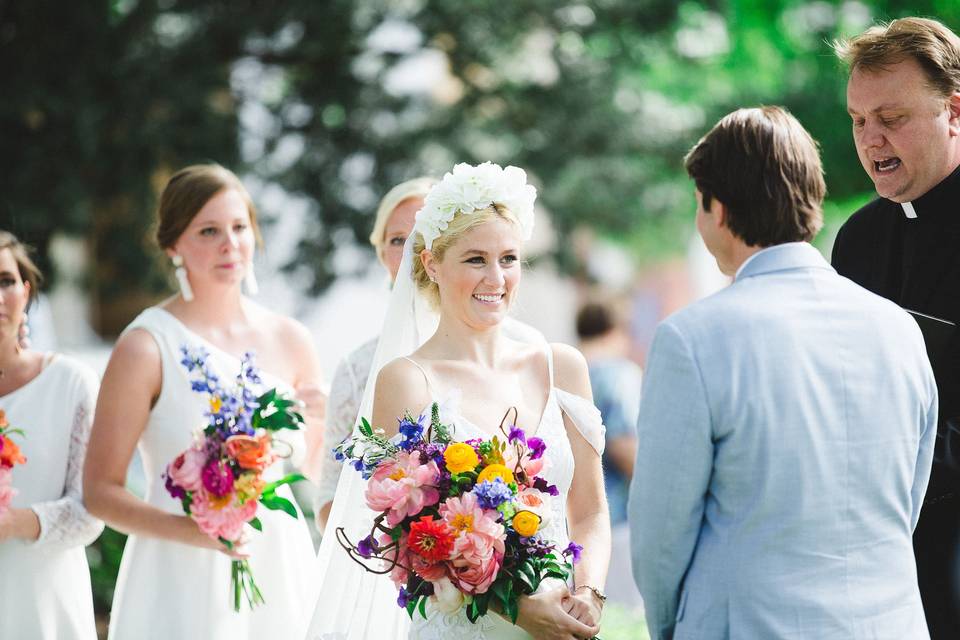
[65,522]
[346,391]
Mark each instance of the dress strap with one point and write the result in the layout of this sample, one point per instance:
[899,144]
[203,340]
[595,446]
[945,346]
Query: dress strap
[423,371]
[549,351]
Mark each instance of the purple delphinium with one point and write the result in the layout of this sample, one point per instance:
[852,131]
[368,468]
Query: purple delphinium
[492,493]
[403,597]
[536,546]
[542,485]
[573,550]
[368,546]
[411,431]
[517,435]
[537,447]
[217,477]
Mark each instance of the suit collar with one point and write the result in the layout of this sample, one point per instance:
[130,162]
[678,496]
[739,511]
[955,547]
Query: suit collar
[781,257]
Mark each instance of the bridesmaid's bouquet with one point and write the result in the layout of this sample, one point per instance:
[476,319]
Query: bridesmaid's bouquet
[9,457]
[219,479]
[459,522]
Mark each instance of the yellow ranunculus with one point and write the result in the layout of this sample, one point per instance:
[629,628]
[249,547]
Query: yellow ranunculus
[215,404]
[526,523]
[496,471]
[460,458]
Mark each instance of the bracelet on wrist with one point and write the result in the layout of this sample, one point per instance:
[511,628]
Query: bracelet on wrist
[599,595]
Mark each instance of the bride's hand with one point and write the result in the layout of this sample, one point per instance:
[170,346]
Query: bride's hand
[314,400]
[544,616]
[238,551]
[584,606]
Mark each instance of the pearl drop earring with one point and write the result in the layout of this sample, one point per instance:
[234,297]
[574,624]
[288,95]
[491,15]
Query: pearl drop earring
[181,274]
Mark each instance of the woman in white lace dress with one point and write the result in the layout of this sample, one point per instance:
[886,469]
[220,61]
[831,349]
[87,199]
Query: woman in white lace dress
[467,262]
[394,221]
[174,580]
[44,581]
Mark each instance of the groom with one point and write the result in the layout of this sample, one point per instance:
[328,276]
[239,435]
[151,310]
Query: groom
[787,424]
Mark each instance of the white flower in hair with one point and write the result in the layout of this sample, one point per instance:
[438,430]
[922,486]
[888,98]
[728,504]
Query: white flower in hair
[471,188]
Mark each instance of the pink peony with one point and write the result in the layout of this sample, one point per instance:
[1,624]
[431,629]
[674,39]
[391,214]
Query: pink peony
[186,469]
[476,577]
[401,554]
[403,488]
[221,521]
[217,477]
[7,492]
[480,533]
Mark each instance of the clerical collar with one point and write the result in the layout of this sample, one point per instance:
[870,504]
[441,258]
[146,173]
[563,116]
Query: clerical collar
[940,198]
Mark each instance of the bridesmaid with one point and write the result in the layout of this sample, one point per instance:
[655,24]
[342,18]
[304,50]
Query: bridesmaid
[44,579]
[174,580]
[394,222]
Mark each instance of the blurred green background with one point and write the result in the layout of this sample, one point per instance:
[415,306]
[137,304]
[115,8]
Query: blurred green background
[334,101]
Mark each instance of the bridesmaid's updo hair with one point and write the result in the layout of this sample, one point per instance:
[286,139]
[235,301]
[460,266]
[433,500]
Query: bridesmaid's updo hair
[25,265]
[186,193]
[461,223]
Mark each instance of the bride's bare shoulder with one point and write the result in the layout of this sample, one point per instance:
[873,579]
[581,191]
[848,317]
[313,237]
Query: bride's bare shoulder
[401,388]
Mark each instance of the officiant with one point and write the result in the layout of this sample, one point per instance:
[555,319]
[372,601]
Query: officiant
[903,96]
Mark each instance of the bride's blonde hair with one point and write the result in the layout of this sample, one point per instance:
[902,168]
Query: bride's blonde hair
[460,225]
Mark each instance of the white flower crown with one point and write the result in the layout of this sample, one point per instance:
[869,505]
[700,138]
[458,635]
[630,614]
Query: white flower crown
[471,188]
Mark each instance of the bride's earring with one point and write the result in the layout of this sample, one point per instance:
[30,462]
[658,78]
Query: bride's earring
[181,274]
[250,280]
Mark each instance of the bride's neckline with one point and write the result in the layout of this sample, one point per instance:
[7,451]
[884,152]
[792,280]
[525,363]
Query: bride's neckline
[460,418]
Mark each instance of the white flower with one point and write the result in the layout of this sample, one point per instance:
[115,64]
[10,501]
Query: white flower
[470,188]
[447,598]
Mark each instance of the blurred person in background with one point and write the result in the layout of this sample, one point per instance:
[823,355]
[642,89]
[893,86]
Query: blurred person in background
[174,580]
[45,589]
[394,222]
[616,382]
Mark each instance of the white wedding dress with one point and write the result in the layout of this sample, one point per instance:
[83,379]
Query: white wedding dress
[45,585]
[171,590]
[558,470]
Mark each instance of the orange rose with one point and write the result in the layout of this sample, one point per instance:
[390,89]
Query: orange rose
[10,453]
[251,453]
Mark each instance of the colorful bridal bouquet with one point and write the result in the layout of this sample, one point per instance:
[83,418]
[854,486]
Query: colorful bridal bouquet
[9,457]
[458,522]
[219,479]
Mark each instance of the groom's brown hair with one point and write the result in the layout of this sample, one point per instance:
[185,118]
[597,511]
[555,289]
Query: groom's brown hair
[764,167]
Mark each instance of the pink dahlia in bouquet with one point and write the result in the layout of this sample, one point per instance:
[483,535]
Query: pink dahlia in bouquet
[10,456]
[219,479]
[458,522]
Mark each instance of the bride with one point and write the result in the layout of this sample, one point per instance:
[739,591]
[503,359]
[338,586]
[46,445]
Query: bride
[465,260]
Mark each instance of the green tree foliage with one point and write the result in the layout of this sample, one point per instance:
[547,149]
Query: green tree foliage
[336,101]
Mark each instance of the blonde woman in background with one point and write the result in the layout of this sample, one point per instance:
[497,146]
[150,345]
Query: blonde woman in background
[394,222]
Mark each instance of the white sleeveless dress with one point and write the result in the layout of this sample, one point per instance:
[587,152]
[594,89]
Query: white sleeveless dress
[558,470]
[171,590]
[45,585]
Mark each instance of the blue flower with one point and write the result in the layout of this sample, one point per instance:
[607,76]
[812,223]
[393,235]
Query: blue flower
[492,493]
[403,598]
[517,435]
[412,431]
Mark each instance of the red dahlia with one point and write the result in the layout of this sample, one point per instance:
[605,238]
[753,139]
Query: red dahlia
[431,540]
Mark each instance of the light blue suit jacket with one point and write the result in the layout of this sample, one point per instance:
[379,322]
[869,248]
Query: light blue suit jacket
[786,434]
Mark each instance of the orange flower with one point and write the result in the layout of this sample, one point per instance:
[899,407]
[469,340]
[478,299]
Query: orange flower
[3,419]
[251,453]
[10,453]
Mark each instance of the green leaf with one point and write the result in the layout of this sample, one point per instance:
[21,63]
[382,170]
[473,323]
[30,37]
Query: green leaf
[255,523]
[365,427]
[422,607]
[411,606]
[512,610]
[287,479]
[278,503]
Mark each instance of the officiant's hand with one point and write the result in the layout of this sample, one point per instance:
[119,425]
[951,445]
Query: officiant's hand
[544,617]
